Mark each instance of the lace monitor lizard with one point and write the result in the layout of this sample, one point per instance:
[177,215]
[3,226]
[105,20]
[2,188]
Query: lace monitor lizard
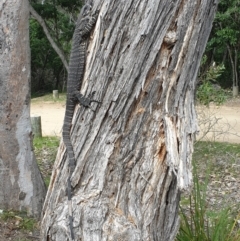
[85,24]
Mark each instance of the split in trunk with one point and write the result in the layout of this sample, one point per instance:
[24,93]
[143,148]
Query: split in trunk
[134,152]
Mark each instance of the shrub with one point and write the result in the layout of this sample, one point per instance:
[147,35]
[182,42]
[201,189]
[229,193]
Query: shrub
[209,90]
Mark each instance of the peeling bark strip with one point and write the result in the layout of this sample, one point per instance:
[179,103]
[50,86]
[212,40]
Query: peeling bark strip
[134,153]
[21,184]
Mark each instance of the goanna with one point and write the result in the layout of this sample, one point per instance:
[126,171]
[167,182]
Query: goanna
[85,24]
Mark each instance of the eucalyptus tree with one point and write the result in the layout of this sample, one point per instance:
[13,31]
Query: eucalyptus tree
[21,184]
[134,151]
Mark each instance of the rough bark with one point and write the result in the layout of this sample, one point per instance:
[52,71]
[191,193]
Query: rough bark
[21,184]
[134,153]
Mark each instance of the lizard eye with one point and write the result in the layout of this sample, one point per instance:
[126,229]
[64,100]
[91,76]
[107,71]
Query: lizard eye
[87,9]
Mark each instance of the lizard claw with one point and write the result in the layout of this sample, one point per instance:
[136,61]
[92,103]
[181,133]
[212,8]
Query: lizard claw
[86,101]
[90,96]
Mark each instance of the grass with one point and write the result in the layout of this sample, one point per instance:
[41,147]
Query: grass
[199,221]
[50,142]
[45,149]
[198,224]
[213,149]
[195,223]
[20,219]
[213,154]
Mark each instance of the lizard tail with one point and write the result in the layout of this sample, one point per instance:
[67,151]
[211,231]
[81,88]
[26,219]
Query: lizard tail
[70,211]
[72,162]
[66,134]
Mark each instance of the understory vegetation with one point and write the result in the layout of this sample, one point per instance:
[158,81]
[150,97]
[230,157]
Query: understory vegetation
[17,226]
[208,89]
[209,213]
[45,149]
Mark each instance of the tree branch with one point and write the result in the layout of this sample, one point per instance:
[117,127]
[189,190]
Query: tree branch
[50,39]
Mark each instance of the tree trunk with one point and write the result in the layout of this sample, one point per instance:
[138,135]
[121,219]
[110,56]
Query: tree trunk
[134,153]
[21,184]
[233,66]
[236,65]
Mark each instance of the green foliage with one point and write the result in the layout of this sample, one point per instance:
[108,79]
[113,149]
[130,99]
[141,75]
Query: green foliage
[209,91]
[20,218]
[45,63]
[41,48]
[199,224]
[45,149]
[225,40]
[47,68]
[60,17]
[44,142]
[213,149]
[199,220]
[48,8]
[213,73]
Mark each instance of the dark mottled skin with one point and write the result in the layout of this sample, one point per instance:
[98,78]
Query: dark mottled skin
[84,25]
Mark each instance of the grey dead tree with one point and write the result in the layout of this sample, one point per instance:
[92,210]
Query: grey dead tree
[21,184]
[134,152]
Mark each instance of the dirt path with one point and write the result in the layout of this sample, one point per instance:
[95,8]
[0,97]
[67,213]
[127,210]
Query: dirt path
[220,123]
[52,115]
[224,121]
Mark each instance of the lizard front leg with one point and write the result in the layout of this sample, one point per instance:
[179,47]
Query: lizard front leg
[86,101]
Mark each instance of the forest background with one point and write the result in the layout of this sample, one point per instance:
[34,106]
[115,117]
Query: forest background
[56,20]
[219,69]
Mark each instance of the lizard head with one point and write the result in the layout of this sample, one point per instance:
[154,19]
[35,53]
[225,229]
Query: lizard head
[87,8]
